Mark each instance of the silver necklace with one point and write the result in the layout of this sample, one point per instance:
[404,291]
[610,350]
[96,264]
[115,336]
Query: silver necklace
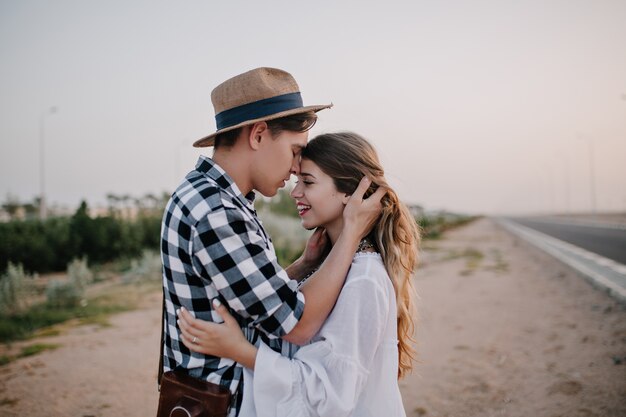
[364,245]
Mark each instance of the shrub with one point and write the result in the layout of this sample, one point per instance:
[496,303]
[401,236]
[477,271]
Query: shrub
[79,273]
[14,289]
[147,267]
[63,294]
[49,245]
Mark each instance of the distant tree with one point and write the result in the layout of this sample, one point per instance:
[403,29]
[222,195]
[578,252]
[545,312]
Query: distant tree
[113,202]
[82,233]
[32,209]
[11,205]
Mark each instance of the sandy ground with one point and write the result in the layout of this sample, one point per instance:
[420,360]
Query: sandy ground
[504,331]
[513,333]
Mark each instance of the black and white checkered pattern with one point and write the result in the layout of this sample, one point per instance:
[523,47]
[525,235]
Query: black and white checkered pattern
[213,245]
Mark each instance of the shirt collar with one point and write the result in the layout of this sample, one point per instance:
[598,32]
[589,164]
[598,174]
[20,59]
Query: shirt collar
[211,169]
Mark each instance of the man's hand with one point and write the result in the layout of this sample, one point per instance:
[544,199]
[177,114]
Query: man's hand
[317,247]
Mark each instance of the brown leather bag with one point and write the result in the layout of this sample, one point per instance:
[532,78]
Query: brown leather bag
[185,396]
[182,395]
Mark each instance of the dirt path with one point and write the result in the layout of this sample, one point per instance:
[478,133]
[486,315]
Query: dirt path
[97,371]
[504,331]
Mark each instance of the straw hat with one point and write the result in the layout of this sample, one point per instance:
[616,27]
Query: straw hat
[258,95]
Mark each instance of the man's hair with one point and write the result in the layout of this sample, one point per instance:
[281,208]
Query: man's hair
[295,123]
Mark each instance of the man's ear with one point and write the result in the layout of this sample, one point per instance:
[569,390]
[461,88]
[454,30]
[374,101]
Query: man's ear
[257,132]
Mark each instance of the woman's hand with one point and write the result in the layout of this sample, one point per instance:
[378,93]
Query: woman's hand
[225,340]
[360,215]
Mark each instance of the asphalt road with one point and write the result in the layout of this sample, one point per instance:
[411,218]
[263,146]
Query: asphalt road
[605,241]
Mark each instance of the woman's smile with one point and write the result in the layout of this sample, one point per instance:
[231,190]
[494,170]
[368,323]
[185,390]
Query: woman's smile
[302,208]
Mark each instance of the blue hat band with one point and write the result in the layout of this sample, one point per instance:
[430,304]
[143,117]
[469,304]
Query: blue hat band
[258,109]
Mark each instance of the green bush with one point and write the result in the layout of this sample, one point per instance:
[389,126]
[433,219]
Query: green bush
[79,273]
[14,289]
[63,294]
[147,267]
[45,246]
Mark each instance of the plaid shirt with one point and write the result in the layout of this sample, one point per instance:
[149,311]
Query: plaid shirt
[213,245]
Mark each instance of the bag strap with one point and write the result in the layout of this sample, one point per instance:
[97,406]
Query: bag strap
[160,374]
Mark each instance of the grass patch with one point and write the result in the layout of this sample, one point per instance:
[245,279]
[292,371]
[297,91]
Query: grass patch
[434,226]
[47,332]
[93,310]
[28,351]
[8,401]
[101,320]
[37,348]
[500,264]
[472,255]
[473,259]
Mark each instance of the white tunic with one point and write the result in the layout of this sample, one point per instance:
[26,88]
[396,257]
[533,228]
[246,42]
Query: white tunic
[351,366]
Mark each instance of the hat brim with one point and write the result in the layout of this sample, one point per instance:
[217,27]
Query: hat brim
[210,140]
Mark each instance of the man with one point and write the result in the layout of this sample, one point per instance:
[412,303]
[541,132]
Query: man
[214,246]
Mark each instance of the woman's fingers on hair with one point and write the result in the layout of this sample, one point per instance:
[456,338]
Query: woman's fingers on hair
[361,188]
[377,195]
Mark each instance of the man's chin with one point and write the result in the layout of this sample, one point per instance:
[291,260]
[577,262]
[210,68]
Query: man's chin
[269,193]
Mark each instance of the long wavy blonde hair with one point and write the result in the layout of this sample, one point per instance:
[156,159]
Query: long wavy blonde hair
[347,157]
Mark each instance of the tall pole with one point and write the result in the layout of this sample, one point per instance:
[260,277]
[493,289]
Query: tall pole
[623,97]
[43,213]
[566,178]
[592,180]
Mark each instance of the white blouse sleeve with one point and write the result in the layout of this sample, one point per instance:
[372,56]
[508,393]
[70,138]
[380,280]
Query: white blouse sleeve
[326,377]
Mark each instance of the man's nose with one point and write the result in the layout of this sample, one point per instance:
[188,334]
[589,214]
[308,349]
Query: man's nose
[295,166]
[296,192]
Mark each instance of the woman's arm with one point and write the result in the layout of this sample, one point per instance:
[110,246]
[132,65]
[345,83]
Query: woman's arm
[225,340]
[325,377]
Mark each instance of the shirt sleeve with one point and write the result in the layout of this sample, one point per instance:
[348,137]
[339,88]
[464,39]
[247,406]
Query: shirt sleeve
[325,377]
[232,252]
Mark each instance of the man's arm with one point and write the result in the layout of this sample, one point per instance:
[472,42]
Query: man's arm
[231,254]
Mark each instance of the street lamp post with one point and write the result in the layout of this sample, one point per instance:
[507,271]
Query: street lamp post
[592,173]
[42,174]
[592,179]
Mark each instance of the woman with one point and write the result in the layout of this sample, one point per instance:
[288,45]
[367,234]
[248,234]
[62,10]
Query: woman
[352,365]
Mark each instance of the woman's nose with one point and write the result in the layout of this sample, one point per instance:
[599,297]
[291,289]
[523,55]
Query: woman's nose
[297,191]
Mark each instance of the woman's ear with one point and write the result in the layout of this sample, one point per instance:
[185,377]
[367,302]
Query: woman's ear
[345,199]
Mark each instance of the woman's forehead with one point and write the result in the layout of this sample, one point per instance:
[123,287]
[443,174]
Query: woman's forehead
[310,168]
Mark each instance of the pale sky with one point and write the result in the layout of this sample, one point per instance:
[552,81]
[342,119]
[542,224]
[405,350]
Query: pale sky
[474,106]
